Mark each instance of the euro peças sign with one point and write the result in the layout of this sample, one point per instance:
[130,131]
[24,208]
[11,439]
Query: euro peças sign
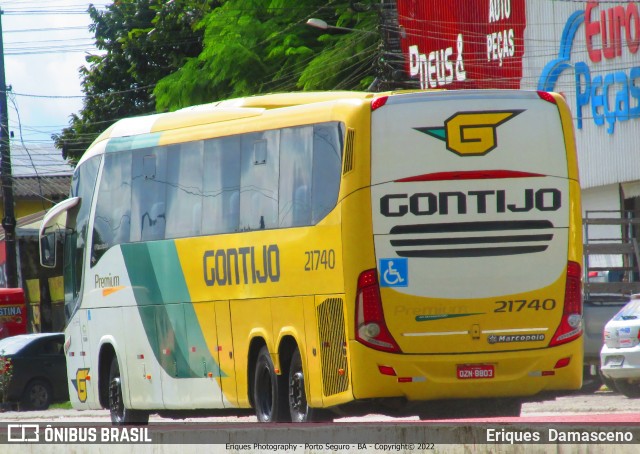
[606,87]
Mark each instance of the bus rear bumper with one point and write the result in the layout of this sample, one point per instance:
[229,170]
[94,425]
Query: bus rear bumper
[428,377]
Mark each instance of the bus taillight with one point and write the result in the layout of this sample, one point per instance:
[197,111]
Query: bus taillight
[371,329]
[547,97]
[378,102]
[571,324]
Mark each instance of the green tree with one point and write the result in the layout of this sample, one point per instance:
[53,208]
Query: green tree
[159,55]
[260,46]
[141,41]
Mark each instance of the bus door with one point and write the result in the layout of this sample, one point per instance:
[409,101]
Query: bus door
[144,373]
[189,355]
[78,367]
[71,216]
[179,345]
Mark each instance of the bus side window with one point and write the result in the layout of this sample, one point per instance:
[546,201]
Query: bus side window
[113,216]
[83,184]
[232,210]
[327,167]
[221,185]
[154,221]
[184,189]
[259,180]
[148,194]
[296,159]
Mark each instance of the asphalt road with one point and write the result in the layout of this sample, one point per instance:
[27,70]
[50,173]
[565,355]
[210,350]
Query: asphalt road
[602,405]
[602,411]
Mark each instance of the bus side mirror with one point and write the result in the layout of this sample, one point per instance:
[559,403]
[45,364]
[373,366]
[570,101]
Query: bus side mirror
[53,221]
[48,250]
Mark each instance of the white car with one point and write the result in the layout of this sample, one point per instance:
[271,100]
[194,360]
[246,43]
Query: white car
[620,354]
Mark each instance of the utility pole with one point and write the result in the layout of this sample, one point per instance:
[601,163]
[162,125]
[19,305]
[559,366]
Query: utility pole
[9,219]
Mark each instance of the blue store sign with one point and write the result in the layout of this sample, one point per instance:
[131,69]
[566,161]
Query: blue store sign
[610,33]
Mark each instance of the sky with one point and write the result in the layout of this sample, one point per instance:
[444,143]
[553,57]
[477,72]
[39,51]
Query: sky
[45,44]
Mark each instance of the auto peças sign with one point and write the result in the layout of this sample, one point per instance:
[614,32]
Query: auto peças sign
[461,44]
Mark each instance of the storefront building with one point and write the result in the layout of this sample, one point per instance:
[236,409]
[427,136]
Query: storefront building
[588,51]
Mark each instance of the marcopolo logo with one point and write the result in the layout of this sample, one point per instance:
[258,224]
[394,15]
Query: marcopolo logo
[471,133]
[493,339]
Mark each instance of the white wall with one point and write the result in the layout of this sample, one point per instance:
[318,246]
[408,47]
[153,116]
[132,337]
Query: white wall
[607,152]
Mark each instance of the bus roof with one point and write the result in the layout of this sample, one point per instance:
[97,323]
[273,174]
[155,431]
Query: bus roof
[137,128]
[278,100]
[219,111]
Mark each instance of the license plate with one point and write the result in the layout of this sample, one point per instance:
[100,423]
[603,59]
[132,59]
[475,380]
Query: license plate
[614,361]
[472,371]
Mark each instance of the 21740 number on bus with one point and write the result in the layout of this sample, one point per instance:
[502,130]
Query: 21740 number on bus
[320,259]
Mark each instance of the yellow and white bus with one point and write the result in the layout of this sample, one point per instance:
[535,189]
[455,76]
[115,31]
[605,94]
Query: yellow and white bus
[307,252]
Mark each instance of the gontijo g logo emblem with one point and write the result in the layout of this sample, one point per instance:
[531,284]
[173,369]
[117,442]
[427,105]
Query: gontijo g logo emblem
[471,133]
[80,384]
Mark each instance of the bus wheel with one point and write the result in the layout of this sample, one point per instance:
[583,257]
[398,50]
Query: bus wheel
[298,407]
[119,414]
[269,390]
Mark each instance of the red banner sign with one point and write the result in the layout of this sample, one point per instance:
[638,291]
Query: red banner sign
[463,44]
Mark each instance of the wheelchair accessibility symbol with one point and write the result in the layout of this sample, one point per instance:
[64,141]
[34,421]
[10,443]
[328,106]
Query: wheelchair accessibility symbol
[394,272]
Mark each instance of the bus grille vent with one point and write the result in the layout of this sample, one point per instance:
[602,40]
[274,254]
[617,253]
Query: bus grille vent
[348,151]
[333,342]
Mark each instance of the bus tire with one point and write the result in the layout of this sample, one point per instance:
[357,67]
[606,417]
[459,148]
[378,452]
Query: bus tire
[269,390]
[298,406]
[120,415]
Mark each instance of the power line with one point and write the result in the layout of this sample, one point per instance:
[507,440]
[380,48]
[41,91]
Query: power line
[49,29]
[35,169]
